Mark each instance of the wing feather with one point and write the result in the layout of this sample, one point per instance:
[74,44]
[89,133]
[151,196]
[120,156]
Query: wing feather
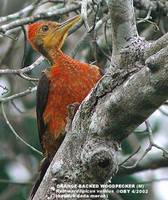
[41,102]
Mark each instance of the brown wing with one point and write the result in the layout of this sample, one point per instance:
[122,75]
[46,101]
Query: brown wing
[41,102]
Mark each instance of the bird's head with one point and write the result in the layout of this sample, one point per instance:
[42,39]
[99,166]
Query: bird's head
[45,35]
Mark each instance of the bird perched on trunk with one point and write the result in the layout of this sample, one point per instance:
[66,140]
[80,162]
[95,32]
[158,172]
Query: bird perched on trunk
[67,81]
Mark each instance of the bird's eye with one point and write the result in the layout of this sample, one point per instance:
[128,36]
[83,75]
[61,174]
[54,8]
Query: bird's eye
[45,28]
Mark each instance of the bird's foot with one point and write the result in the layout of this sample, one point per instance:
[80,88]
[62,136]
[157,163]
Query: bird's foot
[72,108]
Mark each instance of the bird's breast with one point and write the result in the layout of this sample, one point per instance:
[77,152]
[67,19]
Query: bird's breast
[67,86]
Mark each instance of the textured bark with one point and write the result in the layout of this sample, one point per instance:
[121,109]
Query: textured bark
[128,94]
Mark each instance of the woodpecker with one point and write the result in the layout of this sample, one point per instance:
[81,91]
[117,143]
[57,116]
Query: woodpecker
[65,82]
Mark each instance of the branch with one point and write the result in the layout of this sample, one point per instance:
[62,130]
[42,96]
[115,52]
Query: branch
[151,164]
[19,14]
[158,59]
[145,153]
[15,133]
[159,5]
[156,46]
[123,26]
[42,15]
[86,36]
[84,13]
[5,181]
[23,70]
[15,96]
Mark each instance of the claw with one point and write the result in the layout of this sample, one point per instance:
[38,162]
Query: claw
[72,108]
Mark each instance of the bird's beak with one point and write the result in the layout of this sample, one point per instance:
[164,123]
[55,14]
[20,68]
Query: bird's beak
[65,26]
[57,37]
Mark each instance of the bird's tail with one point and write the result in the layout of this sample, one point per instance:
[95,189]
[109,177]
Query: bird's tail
[43,168]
